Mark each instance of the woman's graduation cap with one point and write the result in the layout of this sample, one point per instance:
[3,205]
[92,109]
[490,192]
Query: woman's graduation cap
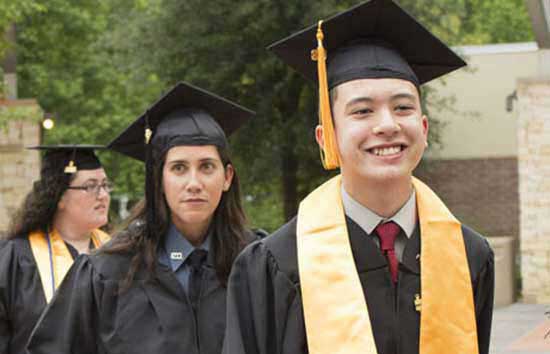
[375,39]
[68,159]
[185,115]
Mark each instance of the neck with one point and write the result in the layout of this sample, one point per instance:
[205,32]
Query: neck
[74,235]
[195,233]
[384,198]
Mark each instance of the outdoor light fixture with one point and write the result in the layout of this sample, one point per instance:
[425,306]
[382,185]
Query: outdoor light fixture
[510,101]
[48,122]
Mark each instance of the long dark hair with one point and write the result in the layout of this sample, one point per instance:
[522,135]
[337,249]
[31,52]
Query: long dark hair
[229,229]
[37,211]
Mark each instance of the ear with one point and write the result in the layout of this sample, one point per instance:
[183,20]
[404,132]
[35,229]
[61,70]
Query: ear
[61,203]
[229,173]
[319,136]
[425,127]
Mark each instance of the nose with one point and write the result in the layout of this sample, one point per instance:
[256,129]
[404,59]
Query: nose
[387,125]
[102,192]
[194,184]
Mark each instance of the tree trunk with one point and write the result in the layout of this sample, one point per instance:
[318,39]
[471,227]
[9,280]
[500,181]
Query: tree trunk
[289,165]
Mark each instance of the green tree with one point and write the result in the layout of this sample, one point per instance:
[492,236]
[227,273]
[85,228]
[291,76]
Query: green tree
[67,61]
[222,47]
[97,65]
[494,21]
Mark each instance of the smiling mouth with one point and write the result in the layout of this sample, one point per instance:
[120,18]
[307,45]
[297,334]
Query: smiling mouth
[100,207]
[387,150]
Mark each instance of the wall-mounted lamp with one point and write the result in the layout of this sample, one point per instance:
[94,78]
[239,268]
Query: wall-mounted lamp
[48,122]
[510,101]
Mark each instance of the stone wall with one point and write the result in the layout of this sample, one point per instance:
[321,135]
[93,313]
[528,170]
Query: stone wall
[18,167]
[534,186]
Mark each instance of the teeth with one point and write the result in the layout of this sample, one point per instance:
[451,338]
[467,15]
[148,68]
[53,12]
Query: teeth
[386,151]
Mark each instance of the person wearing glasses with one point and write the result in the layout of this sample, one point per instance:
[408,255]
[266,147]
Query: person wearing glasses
[160,285]
[58,220]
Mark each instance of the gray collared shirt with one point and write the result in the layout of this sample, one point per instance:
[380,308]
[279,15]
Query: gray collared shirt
[368,220]
[174,253]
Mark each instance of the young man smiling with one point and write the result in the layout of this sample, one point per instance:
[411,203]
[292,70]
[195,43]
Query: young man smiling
[381,135]
[374,262]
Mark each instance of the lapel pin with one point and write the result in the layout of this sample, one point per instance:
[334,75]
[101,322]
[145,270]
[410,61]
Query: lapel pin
[176,256]
[417,302]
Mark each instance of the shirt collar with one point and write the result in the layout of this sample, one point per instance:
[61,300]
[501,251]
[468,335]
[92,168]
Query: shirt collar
[177,248]
[368,220]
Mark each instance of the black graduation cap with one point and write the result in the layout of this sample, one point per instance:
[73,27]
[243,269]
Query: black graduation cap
[60,159]
[375,39]
[186,115]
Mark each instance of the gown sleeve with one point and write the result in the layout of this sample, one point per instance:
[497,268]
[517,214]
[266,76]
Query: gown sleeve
[264,314]
[68,325]
[6,268]
[484,297]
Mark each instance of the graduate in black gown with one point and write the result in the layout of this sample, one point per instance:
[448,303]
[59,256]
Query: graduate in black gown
[58,219]
[374,262]
[160,285]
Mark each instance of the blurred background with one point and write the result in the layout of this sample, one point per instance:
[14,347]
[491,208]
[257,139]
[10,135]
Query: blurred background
[80,71]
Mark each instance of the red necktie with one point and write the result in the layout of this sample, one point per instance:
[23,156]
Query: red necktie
[387,233]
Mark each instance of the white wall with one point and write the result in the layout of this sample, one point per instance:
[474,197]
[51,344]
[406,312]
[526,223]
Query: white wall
[482,127]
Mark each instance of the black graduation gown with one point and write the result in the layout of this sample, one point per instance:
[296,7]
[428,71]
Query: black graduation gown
[89,314]
[22,298]
[265,316]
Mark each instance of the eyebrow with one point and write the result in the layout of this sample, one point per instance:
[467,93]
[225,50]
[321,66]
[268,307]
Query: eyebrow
[206,159]
[363,99]
[367,99]
[403,95]
[95,180]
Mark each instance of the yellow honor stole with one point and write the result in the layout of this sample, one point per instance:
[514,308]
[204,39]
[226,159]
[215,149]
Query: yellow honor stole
[335,310]
[53,258]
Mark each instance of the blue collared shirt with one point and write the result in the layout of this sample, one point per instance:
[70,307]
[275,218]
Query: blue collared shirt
[174,253]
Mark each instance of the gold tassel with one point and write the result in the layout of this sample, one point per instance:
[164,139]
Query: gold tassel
[148,130]
[148,134]
[329,153]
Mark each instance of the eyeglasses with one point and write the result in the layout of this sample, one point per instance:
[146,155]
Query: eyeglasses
[94,188]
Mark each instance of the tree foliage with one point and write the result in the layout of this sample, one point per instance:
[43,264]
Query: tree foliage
[97,65]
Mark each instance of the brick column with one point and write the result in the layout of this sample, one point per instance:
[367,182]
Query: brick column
[534,187]
[19,167]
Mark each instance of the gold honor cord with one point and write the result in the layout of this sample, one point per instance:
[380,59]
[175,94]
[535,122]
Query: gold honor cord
[53,258]
[329,152]
[335,311]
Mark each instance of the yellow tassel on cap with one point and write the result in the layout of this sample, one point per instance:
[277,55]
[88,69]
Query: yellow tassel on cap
[329,153]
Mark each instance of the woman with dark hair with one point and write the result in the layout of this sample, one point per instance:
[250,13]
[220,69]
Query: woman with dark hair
[58,219]
[160,285]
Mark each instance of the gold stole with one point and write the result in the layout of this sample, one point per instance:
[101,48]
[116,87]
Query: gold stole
[53,258]
[335,310]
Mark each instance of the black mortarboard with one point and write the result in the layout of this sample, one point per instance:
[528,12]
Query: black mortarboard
[61,159]
[372,40]
[375,39]
[186,115]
